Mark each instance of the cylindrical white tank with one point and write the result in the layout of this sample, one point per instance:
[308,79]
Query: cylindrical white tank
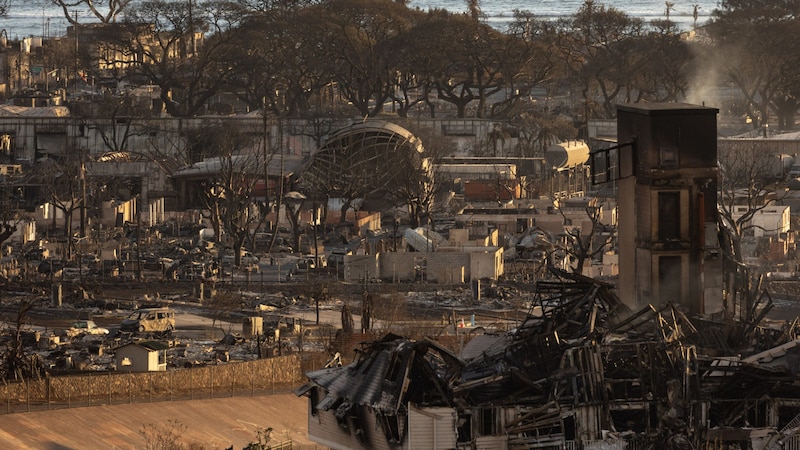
[567,154]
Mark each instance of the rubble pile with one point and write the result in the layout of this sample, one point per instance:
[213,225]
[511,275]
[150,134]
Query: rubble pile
[582,369]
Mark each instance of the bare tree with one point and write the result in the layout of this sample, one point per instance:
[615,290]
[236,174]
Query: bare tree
[9,205]
[745,189]
[353,166]
[104,11]
[167,436]
[229,185]
[115,118]
[582,245]
[417,188]
[16,363]
[63,188]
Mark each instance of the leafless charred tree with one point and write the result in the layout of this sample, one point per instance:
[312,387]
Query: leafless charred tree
[745,188]
[228,189]
[167,436]
[62,186]
[115,118]
[17,363]
[416,189]
[9,207]
[581,243]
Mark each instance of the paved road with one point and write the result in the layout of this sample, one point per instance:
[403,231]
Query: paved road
[212,423]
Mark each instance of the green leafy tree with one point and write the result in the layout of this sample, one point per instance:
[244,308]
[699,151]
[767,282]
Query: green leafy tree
[755,46]
[277,62]
[352,38]
[104,11]
[527,62]
[596,46]
[173,53]
[477,60]
[664,69]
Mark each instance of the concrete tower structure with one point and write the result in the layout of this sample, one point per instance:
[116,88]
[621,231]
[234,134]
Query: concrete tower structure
[667,194]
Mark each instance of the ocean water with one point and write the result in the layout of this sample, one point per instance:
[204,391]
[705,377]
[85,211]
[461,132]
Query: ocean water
[41,18]
[500,12]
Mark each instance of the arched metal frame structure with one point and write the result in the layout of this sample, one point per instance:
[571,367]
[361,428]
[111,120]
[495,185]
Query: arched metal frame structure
[366,160]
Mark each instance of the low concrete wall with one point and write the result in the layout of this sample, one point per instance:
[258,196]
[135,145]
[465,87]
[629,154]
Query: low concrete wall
[397,266]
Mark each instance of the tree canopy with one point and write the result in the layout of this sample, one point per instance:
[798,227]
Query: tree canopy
[297,58]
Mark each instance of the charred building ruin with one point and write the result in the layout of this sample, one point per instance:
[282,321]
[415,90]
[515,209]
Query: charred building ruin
[667,197]
[643,364]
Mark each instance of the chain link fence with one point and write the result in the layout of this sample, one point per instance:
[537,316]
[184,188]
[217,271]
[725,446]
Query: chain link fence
[247,378]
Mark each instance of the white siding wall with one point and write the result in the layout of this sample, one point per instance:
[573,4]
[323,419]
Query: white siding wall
[431,428]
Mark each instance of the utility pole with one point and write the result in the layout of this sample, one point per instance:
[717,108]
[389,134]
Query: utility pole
[266,161]
[83,192]
[77,57]
[138,238]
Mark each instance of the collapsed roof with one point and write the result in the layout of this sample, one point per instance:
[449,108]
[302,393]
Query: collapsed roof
[652,373]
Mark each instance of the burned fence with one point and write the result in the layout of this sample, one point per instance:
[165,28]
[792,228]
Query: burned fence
[263,376]
[580,369]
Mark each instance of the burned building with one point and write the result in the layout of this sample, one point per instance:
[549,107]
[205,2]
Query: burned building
[582,371]
[667,197]
[642,364]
